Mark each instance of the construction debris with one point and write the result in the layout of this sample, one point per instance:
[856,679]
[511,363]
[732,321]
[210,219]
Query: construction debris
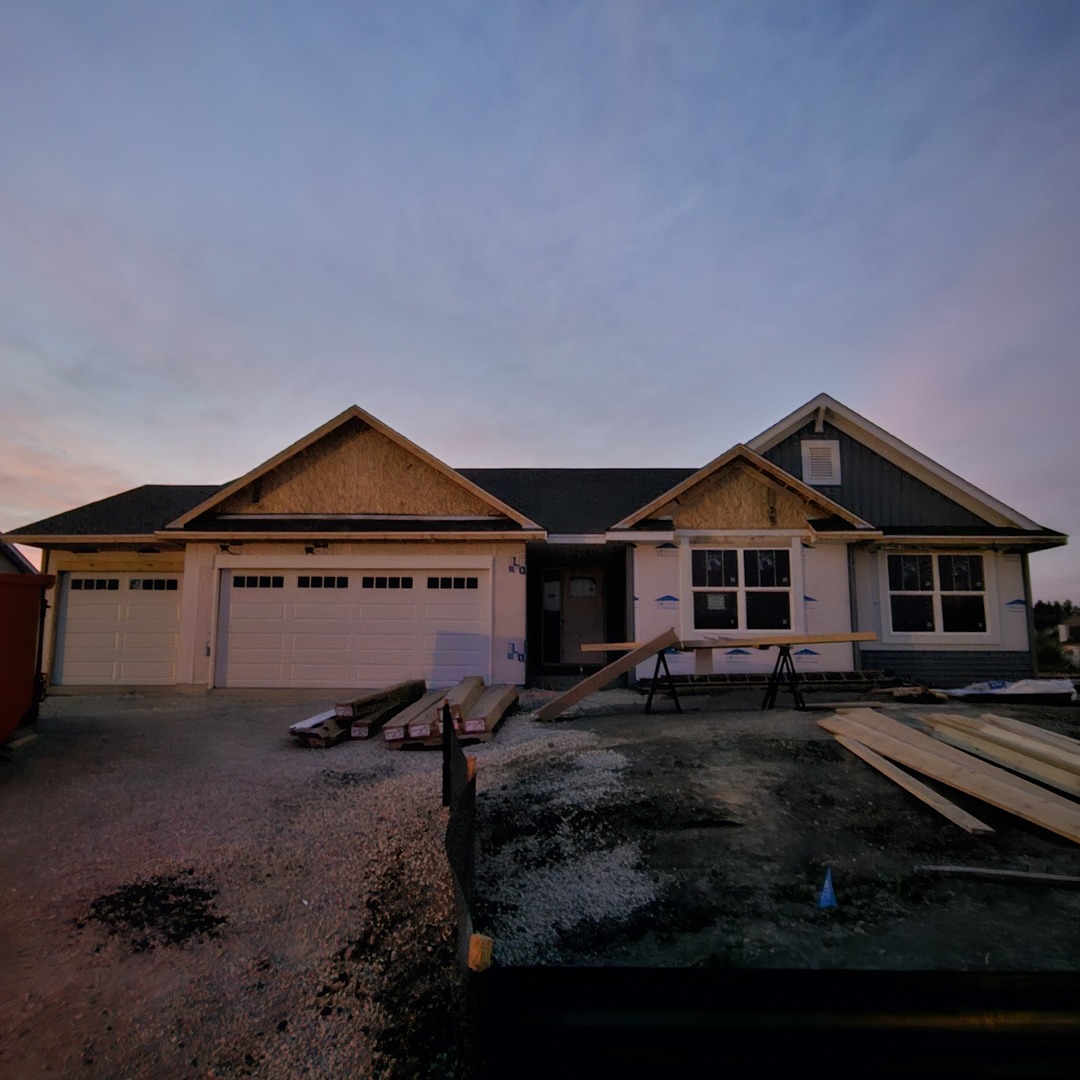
[965,772]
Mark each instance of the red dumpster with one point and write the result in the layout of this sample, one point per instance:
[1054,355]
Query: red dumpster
[22,615]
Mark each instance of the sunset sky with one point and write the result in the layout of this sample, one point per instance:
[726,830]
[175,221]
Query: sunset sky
[595,234]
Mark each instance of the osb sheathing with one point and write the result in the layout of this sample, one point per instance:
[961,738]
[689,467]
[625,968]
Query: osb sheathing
[732,499]
[355,470]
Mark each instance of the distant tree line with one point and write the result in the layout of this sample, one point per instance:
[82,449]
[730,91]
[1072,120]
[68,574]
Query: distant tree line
[1050,615]
[1049,655]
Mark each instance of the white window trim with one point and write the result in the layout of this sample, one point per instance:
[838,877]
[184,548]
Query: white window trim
[740,544]
[992,634]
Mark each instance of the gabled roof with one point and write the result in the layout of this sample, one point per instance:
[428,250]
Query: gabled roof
[823,407]
[766,469]
[135,514]
[354,412]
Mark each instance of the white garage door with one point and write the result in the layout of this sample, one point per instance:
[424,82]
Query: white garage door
[353,628]
[119,629]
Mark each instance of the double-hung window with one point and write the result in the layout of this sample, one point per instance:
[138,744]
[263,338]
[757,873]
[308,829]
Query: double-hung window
[937,594]
[737,589]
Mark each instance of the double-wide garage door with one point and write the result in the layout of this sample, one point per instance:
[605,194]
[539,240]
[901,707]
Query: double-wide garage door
[118,629]
[352,628]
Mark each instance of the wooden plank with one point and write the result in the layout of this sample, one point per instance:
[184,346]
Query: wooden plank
[992,873]
[1032,731]
[967,822]
[691,645]
[375,699]
[1062,779]
[1051,753]
[962,771]
[611,646]
[394,734]
[598,680]
[462,697]
[488,710]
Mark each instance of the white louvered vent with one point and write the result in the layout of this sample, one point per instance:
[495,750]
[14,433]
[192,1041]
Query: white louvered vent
[821,461]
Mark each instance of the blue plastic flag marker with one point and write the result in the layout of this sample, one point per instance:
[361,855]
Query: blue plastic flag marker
[827,899]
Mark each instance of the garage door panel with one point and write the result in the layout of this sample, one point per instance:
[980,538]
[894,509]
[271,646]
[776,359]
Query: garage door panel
[119,635]
[354,635]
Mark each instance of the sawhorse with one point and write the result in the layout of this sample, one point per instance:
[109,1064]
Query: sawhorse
[783,672]
[661,662]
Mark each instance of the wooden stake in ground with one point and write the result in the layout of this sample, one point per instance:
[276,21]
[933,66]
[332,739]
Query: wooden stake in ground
[598,680]
[991,873]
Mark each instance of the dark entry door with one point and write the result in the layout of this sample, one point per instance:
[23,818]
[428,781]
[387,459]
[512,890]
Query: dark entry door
[573,615]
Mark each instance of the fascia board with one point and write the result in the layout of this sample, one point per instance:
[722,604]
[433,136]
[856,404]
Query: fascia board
[644,537]
[46,540]
[987,540]
[353,412]
[343,537]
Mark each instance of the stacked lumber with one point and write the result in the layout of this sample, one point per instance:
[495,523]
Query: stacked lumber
[476,711]
[1042,755]
[359,718]
[871,735]
[367,714]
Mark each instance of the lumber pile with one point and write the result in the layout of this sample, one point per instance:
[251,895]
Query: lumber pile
[476,711]
[359,718]
[871,735]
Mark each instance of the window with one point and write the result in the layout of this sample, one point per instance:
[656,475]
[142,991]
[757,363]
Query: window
[741,589]
[321,581]
[153,584]
[452,583]
[257,581]
[392,582]
[109,584]
[930,594]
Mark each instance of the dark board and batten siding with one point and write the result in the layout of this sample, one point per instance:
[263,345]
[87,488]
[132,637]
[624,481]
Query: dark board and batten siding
[950,669]
[873,487]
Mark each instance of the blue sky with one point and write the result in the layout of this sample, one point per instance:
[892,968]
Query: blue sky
[537,234]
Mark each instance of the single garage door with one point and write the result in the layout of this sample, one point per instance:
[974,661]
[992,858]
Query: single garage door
[353,628]
[118,629]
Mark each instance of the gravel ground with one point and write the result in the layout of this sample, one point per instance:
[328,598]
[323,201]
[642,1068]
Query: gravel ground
[187,893]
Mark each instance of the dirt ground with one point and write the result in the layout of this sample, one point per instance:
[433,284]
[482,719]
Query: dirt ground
[186,893]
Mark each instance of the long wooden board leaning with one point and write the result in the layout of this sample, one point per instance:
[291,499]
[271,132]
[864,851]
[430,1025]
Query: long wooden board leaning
[598,680]
[915,750]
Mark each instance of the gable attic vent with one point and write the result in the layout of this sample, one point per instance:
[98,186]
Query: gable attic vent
[821,461]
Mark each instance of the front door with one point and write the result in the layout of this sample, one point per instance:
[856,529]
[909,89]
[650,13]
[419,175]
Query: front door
[573,615]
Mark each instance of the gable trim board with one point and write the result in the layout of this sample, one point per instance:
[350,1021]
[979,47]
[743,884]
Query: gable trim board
[911,460]
[798,558]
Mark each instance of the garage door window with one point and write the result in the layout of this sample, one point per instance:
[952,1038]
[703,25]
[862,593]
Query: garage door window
[258,581]
[109,584]
[386,582]
[153,584]
[319,581]
[452,583]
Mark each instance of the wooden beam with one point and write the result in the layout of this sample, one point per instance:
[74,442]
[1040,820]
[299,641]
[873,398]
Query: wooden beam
[776,639]
[991,873]
[462,697]
[915,787]
[598,680]
[488,710]
[962,771]
[1016,760]
[611,646]
[1057,754]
